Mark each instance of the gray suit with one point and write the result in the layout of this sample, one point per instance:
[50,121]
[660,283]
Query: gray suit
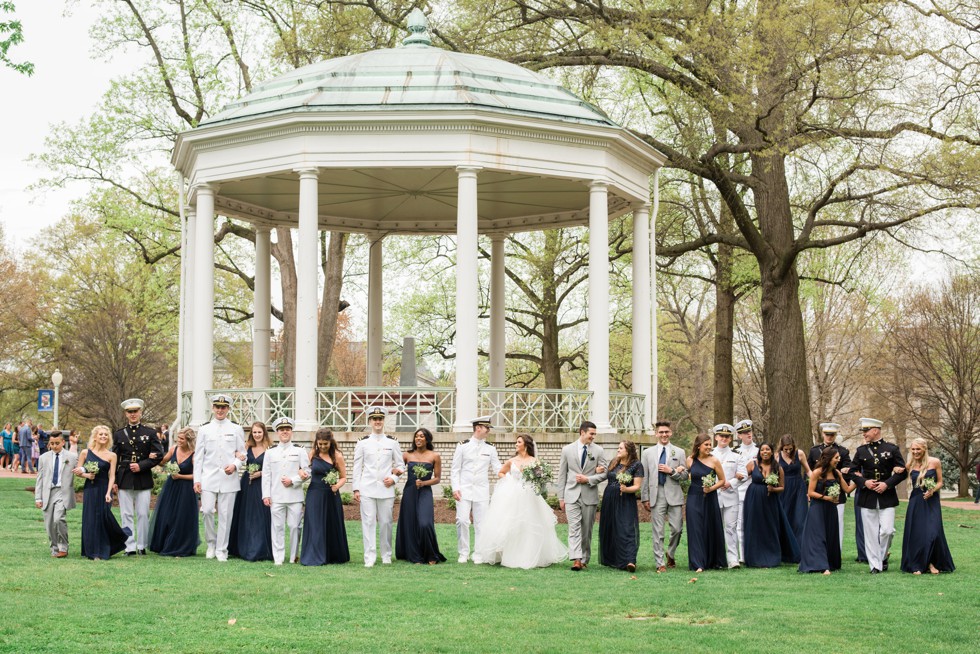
[665,501]
[55,502]
[580,500]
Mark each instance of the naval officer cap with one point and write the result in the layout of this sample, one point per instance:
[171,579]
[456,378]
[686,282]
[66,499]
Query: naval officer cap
[482,421]
[829,427]
[221,399]
[132,403]
[377,412]
[723,429]
[870,423]
[283,422]
[743,426]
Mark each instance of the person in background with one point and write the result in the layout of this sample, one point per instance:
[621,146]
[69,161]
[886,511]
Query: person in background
[7,443]
[26,442]
[163,437]
[72,443]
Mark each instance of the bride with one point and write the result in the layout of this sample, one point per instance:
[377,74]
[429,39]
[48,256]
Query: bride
[519,527]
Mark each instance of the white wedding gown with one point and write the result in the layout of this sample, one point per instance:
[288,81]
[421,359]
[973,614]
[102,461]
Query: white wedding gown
[519,527]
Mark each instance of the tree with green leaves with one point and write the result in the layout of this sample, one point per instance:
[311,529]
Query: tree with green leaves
[11,34]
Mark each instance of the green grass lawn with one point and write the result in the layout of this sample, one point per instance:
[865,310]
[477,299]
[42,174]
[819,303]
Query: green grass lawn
[151,604]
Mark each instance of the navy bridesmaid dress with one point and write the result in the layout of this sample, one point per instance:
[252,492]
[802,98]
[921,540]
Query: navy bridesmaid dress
[619,522]
[251,523]
[924,541]
[820,545]
[705,532]
[793,496]
[174,530]
[415,540]
[769,539]
[324,532]
[101,534]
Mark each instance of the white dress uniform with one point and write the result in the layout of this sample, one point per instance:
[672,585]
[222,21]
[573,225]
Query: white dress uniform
[217,443]
[748,453]
[472,461]
[732,464]
[285,460]
[375,458]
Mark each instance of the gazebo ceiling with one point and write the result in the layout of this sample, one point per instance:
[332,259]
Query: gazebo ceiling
[413,200]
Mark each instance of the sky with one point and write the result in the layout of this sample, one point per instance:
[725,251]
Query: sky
[66,86]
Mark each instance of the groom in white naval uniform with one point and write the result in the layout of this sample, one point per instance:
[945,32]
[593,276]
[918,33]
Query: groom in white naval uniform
[377,466]
[216,467]
[471,485]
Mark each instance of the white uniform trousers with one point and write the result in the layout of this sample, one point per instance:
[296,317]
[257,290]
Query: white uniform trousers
[286,515]
[134,506]
[376,511]
[879,527]
[55,523]
[661,511]
[463,508]
[217,537]
[729,517]
[740,530]
[840,524]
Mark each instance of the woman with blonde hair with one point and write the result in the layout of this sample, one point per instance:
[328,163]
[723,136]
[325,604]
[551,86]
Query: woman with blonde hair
[101,534]
[924,543]
[174,530]
[251,524]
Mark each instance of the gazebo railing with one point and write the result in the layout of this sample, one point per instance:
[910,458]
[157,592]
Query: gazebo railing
[535,409]
[626,412]
[344,409]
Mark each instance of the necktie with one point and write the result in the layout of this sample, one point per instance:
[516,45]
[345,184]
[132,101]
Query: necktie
[585,449]
[662,476]
[57,469]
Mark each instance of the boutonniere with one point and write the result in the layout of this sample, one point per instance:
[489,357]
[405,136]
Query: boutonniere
[588,456]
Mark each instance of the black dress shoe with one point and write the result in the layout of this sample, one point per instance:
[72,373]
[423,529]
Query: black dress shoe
[133,553]
[875,571]
[142,552]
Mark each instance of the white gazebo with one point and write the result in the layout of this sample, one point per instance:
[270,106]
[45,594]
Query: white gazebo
[413,140]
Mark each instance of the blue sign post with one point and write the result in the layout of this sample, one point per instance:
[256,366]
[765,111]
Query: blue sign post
[45,399]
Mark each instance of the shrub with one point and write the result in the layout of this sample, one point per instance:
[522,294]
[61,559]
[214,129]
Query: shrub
[346,498]
[447,493]
[552,501]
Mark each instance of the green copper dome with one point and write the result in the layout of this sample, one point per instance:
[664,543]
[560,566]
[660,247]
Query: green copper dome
[413,77]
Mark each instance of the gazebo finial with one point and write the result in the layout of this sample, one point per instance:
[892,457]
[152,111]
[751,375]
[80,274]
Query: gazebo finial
[418,29]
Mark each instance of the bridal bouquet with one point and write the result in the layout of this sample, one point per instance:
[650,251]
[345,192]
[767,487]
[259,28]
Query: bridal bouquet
[538,475]
[171,469]
[772,479]
[92,467]
[708,481]
[421,472]
[331,478]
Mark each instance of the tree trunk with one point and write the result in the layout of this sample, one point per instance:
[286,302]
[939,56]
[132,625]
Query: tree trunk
[549,343]
[282,250]
[783,343]
[724,386]
[333,279]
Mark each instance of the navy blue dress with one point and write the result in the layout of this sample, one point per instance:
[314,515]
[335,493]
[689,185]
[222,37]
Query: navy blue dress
[859,529]
[705,532]
[415,540]
[924,541]
[324,532]
[251,523]
[793,496]
[101,534]
[174,529]
[769,539]
[820,545]
[619,522]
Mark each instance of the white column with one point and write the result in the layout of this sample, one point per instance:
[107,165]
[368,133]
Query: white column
[498,342]
[654,363]
[262,308]
[185,349]
[203,317]
[375,317]
[641,308]
[307,272]
[467,295]
[599,305]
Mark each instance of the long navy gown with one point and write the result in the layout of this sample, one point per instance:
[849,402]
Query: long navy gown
[705,532]
[250,537]
[619,523]
[415,540]
[174,530]
[793,496]
[769,539]
[324,532]
[101,534]
[820,545]
[924,541]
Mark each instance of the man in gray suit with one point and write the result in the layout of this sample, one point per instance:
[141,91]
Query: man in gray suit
[661,492]
[54,491]
[582,467]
